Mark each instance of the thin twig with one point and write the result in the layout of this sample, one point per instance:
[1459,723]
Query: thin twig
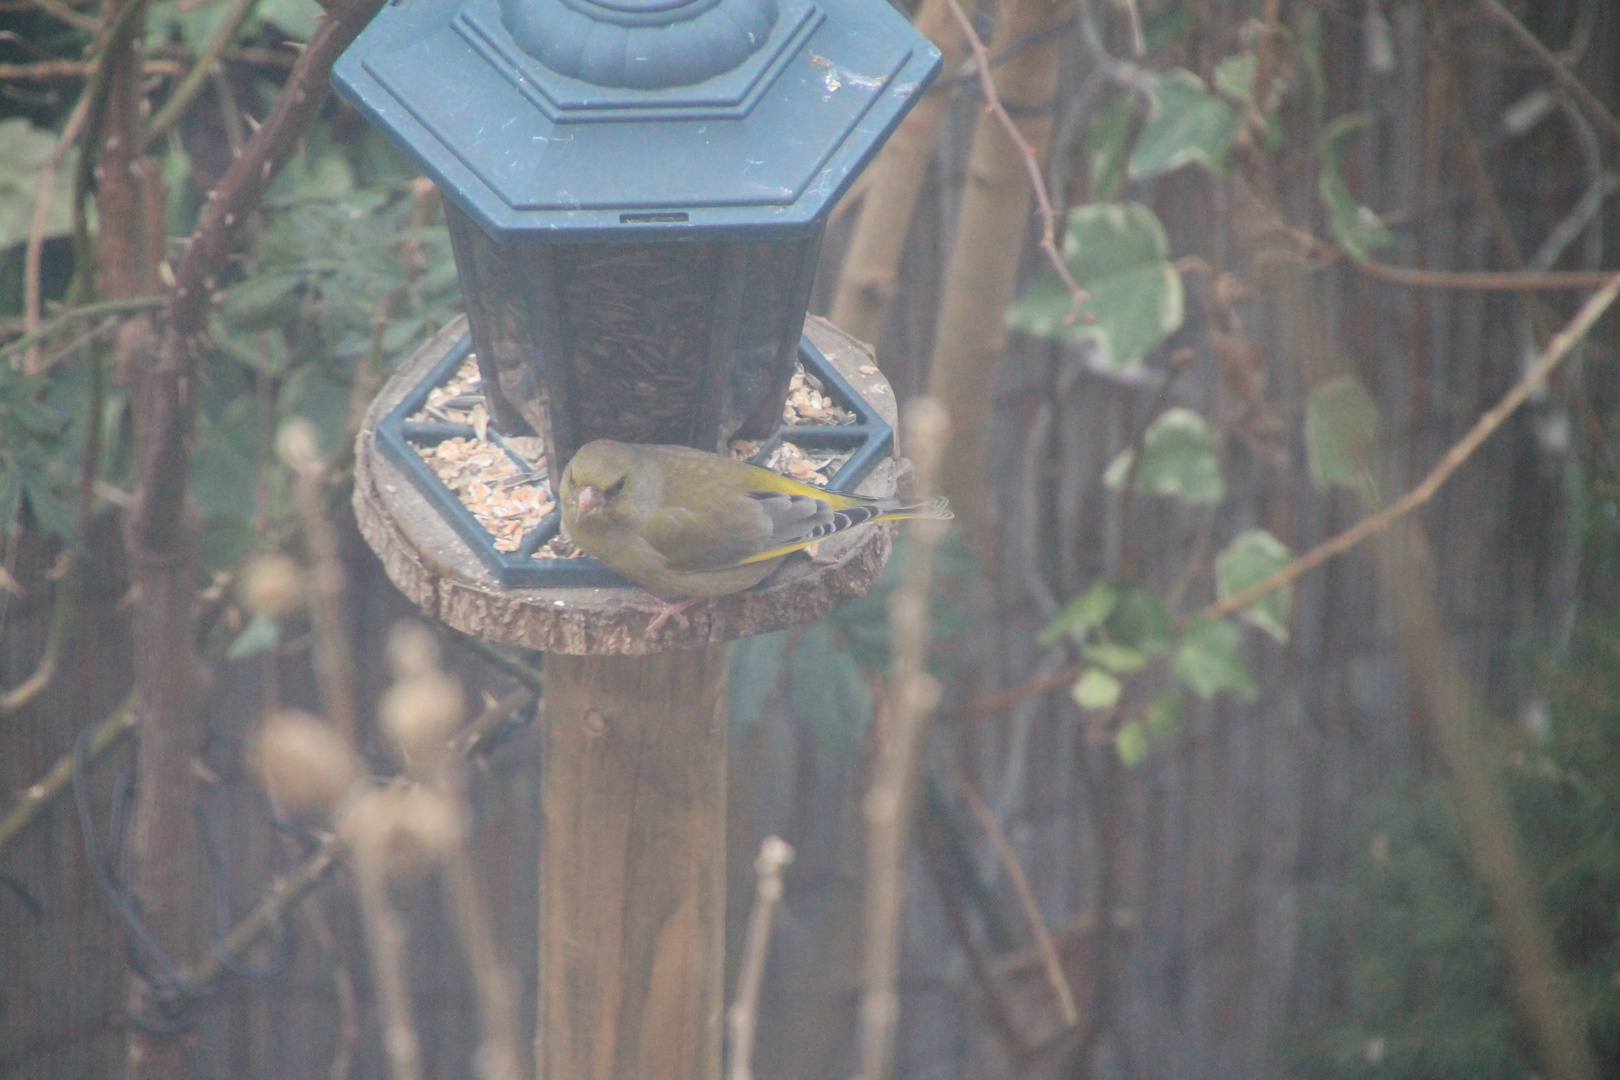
[496,658]
[61,625]
[331,656]
[742,1018]
[37,796]
[33,254]
[57,70]
[1026,896]
[1560,71]
[1556,350]
[1030,157]
[1485,280]
[913,695]
[78,314]
[269,914]
[58,10]
[185,93]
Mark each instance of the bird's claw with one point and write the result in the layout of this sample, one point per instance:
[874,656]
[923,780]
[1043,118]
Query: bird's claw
[662,611]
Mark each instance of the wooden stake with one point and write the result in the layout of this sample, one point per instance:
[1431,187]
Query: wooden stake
[632,869]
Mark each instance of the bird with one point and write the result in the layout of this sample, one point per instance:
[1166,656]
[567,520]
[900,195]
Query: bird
[685,524]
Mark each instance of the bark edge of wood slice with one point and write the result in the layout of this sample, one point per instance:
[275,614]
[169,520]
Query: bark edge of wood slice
[442,576]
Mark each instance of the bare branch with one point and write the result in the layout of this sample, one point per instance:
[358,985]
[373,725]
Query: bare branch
[1026,895]
[1037,183]
[37,796]
[1555,352]
[774,854]
[1560,71]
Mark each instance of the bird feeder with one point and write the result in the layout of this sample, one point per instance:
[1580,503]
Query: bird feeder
[636,192]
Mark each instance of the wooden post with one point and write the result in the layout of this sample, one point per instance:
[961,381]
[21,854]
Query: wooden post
[632,874]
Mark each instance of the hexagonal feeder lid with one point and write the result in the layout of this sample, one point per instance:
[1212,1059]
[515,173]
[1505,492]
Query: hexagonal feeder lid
[593,119]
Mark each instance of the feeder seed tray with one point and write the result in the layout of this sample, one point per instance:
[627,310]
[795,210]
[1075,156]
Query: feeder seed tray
[465,524]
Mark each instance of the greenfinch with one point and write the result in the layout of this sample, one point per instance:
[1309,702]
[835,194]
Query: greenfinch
[685,524]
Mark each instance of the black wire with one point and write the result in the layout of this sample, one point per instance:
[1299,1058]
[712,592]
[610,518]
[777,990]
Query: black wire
[285,942]
[166,986]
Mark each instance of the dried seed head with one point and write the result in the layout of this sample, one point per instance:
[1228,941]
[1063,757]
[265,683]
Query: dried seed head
[272,585]
[421,712]
[298,445]
[305,764]
[412,649]
[402,827]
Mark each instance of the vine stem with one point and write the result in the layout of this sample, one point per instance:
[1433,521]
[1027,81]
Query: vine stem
[1030,157]
[1557,349]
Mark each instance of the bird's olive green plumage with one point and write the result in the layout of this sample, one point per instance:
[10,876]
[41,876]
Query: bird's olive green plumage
[683,523]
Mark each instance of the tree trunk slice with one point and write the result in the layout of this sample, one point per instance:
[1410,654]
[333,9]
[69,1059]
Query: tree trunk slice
[432,566]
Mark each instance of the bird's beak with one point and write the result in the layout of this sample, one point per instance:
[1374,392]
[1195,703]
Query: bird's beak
[587,501]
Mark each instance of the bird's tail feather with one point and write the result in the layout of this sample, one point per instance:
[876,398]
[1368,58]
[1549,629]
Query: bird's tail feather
[934,508]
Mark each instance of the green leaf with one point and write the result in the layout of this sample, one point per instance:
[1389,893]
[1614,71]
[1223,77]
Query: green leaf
[1341,436]
[1178,460]
[1209,660]
[262,302]
[296,17]
[755,675]
[1357,228]
[1108,143]
[1161,27]
[1234,77]
[1120,255]
[1096,689]
[1131,743]
[831,695]
[1115,657]
[1164,715]
[1142,621]
[260,635]
[1084,612]
[22,167]
[1186,125]
[1253,556]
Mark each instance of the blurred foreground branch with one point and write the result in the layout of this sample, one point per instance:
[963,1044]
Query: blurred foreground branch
[913,694]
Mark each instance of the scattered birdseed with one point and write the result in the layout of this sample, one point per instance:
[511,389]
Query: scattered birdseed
[809,403]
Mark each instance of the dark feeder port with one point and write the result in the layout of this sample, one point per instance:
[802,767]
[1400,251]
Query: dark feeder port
[636,192]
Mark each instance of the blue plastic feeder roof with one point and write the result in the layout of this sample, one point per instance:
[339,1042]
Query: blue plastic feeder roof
[636,190]
[561,120]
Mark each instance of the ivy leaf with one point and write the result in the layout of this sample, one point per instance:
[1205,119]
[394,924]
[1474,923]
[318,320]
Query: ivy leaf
[1178,460]
[1131,743]
[1085,612]
[28,149]
[1234,77]
[1142,621]
[296,17]
[1163,717]
[1096,689]
[1341,435]
[1252,556]
[1108,143]
[259,635]
[1115,657]
[1356,227]
[1186,125]
[1208,659]
[1120,255]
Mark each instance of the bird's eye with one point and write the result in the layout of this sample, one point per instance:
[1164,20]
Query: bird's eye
[617,486]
